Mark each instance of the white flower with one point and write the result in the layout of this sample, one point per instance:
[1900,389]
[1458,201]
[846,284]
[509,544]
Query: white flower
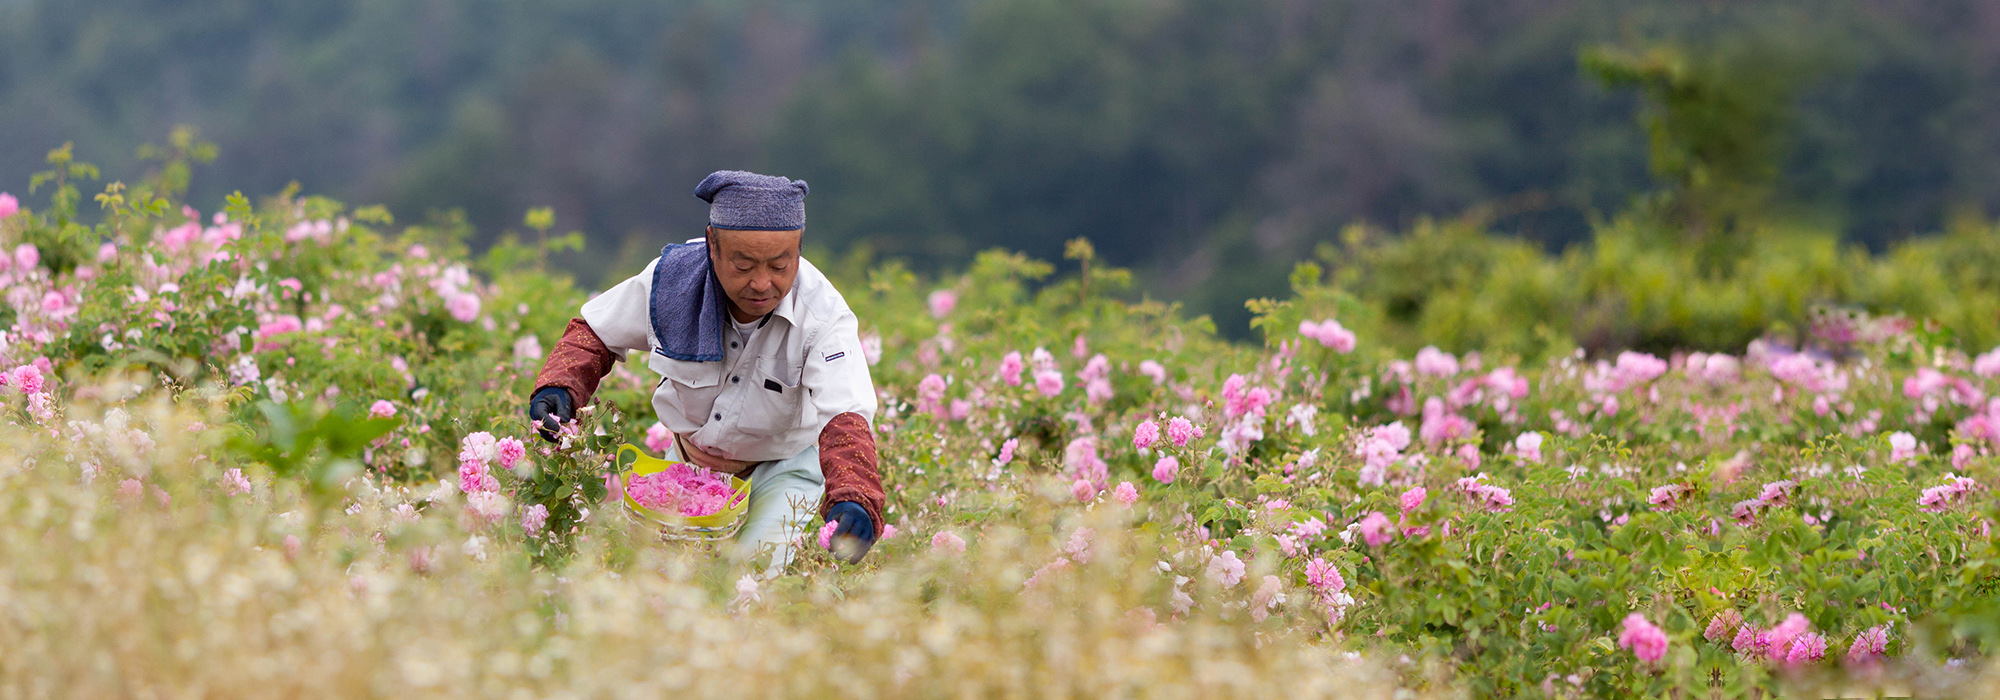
[871,348]
[243,372]
[475,547]
[1226,569]
[1181,601]
[1303,415]
[746,591]
[1268,597]
[489,506]
[528,348]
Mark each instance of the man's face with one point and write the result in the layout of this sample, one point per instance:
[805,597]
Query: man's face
[756,268]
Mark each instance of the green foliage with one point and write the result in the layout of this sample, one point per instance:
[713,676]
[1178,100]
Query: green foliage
[1715,122]
[320,448]
[177,160]
[1455,285]
[1206,145]
[279,320]
[1712,125]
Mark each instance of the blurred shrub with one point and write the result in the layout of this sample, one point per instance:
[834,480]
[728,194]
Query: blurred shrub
[1455,285]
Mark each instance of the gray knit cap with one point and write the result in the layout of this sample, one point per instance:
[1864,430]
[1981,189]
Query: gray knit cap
[751,202]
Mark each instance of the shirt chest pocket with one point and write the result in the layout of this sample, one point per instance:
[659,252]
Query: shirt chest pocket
[693,386]
[771,403]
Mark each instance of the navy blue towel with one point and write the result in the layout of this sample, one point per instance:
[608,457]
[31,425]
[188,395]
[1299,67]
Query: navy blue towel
[687,304]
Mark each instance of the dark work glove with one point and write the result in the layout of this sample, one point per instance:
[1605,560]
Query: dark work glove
[856,533]
[550,405]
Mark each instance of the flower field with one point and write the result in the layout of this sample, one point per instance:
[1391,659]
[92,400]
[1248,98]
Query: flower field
[279,450]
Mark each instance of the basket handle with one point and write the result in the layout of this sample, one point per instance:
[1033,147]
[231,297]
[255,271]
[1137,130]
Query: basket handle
[617,461]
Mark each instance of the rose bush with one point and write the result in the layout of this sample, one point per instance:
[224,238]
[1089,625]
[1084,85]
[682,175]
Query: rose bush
[185,435]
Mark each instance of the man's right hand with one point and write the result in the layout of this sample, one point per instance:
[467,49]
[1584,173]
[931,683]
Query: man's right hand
[549,409]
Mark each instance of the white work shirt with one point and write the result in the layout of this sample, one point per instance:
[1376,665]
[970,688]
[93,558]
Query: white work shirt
[776,386]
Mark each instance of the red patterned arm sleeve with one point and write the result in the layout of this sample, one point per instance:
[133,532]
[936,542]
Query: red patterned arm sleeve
[578,363]
[847,459]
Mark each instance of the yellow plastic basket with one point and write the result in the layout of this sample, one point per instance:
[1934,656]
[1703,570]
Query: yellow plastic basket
[719,525]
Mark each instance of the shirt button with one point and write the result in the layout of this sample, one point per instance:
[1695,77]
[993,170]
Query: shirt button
[732,343]
[718,416]
[734,380]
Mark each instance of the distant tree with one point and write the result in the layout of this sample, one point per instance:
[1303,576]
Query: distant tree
[1715,124]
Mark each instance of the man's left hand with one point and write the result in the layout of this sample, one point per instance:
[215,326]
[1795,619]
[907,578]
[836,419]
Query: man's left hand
[855,534]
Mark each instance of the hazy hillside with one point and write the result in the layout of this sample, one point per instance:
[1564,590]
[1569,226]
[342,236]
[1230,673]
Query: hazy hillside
[1207,143]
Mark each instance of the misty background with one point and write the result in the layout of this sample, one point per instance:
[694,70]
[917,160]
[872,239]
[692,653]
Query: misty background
[1207,144]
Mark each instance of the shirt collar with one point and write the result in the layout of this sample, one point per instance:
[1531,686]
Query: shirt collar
[788,307]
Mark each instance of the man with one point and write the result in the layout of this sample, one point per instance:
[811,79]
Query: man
[762,374]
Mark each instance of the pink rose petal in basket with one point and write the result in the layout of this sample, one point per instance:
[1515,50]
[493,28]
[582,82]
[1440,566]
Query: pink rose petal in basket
[688,490]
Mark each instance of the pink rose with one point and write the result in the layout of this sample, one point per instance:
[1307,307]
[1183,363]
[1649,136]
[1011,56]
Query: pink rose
[1126,493]
[1376,529]
[942,302]
[1646,640]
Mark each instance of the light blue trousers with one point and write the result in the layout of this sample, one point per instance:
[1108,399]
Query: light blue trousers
[784,502]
